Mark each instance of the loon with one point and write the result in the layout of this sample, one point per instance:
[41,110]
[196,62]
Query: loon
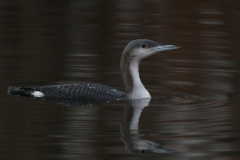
[133,53]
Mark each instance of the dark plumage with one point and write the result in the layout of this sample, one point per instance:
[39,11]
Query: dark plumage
[77,90]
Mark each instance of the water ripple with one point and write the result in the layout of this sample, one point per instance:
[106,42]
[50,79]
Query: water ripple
[187,98]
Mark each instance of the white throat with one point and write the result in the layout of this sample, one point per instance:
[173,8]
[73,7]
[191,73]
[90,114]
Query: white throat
[138,91]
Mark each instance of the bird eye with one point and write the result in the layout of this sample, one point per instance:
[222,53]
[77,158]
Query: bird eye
[143,45]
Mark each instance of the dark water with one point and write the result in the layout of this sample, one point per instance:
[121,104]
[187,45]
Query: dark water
[195,109]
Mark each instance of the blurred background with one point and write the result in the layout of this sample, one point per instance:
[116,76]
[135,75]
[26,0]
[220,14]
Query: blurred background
[194,111]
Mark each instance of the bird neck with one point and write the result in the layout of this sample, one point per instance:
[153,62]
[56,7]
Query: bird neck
[130,74]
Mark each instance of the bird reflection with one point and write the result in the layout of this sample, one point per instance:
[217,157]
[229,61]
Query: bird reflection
[129,129]
[130,133]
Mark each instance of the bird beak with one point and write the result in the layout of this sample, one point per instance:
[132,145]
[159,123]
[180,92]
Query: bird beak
[165,48]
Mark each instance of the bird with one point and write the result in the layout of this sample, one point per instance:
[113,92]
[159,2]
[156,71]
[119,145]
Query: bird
[133,53]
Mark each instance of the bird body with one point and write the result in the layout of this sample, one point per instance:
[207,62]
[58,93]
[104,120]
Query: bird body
[74,90]
[131,57]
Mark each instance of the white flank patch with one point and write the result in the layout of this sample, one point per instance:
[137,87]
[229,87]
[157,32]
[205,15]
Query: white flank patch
[37,94]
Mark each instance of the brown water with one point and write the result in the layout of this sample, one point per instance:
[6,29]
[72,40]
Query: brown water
[195,109]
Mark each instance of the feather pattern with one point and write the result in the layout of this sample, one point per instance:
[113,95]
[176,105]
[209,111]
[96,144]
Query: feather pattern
[75,90]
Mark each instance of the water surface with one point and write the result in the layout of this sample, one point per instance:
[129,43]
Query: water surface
[194,111]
